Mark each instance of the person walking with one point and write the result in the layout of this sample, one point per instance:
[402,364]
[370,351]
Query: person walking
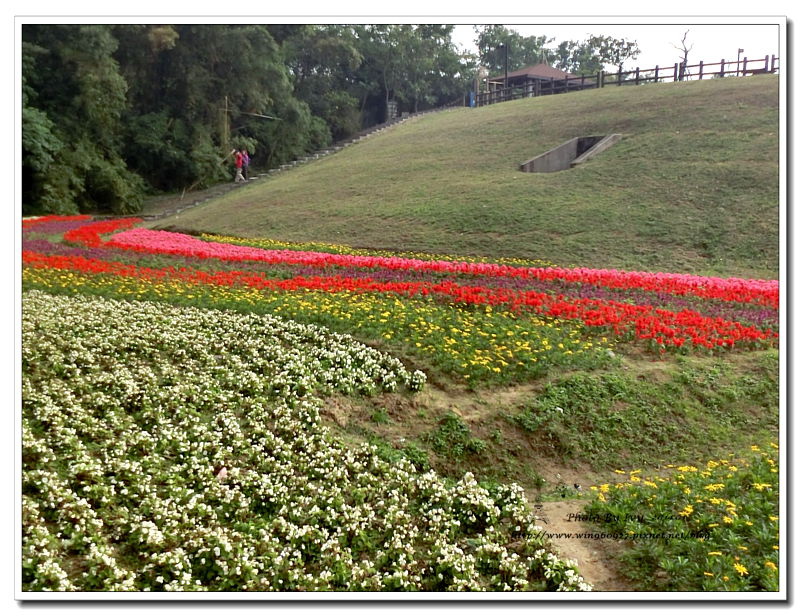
[245,165]
[238,161]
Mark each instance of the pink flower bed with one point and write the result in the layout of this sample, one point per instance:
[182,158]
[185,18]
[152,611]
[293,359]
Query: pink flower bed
[762,292]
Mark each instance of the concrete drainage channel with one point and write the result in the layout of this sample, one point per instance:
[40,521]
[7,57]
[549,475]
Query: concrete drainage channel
[567,155]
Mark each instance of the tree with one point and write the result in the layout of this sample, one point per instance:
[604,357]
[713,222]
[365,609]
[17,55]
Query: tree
[74,100]
[522,50]
[684,62]
[594,54]
[321,61]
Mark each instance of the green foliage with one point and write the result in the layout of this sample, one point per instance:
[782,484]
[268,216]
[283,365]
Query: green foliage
[494,42]
[614,419]
[593,54]
[453,438]
[73,103]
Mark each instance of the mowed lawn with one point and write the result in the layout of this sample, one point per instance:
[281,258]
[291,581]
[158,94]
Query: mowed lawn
[692,187]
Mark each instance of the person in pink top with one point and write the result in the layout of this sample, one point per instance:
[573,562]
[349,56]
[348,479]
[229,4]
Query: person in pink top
[245,165]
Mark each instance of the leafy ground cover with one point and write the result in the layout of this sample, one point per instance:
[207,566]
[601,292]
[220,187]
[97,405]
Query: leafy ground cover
[269,333]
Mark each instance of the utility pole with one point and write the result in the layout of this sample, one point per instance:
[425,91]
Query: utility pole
[225,129]
[505,50]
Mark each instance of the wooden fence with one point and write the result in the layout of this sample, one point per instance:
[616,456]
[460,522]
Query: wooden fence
[677,72]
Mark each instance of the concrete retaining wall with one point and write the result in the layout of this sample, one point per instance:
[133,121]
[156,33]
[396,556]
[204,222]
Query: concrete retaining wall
[568,154]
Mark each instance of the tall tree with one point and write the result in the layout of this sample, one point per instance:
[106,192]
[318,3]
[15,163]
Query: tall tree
[494,42]
[321,61]
[74,101]
[593,54]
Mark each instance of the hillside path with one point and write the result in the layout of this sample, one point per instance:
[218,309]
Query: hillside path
[595,557]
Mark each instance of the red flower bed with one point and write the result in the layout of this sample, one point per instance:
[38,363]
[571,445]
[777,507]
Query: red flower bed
[645,322]
[42,219]
[760,292]
[89,235]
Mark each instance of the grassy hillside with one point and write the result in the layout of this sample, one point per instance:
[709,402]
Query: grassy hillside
[692,187]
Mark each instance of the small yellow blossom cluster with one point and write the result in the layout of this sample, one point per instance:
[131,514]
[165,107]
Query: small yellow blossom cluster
[715,526]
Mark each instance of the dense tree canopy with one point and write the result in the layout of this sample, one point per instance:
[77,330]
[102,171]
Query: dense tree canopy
[578,57]
[111,113]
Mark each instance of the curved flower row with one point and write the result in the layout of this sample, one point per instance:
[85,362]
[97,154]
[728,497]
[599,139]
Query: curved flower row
[764,292]
[180,449]
[342,249]
[645,322]
[89,235]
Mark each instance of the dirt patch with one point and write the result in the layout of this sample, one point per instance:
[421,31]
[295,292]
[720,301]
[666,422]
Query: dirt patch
[596,558]
[398,419]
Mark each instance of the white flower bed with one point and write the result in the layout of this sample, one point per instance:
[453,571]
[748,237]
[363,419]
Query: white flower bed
[174,448]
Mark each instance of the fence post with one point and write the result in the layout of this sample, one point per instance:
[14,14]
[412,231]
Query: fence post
[722,68]
[619,75]
[766,63]
[701,69]
[772,66]
[656,73]
[744,67]
[637,76]
[675,76]
[583,81]
[552,85]
[599,79]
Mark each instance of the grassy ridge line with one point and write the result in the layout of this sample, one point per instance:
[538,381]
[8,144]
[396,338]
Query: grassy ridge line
[692,187]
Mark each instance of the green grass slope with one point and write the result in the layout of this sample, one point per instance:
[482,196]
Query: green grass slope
[692,187]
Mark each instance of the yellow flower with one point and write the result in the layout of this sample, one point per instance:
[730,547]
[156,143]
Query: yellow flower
[771,565]
[740,568]
[727,520]
[715,553]
[708,574]
[686,512]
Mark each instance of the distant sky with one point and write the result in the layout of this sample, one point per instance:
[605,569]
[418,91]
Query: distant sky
[657,41]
